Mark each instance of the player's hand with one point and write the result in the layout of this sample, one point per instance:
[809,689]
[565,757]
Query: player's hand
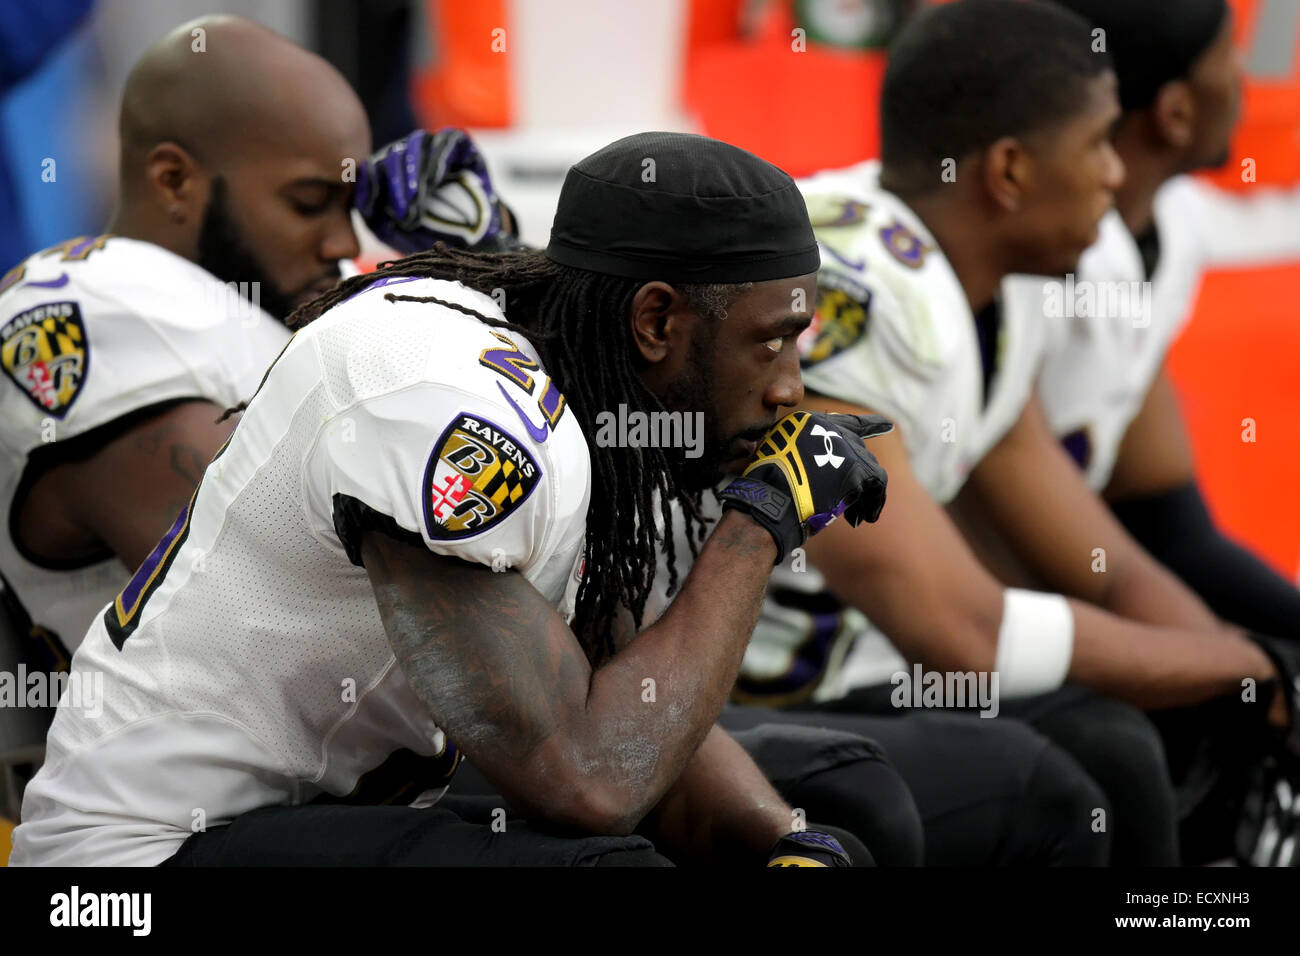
[1284,707]
[1279,711]
[808,848]
[811,468]
[433,187]
[1268,831]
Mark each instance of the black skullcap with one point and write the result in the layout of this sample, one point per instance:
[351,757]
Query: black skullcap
[1152,41]
[702,211]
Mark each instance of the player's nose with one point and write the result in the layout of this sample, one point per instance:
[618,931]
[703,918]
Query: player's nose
[340,239]
[1115,171]
[786,390]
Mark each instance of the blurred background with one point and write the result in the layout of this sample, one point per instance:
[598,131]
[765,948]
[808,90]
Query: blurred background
[541,83]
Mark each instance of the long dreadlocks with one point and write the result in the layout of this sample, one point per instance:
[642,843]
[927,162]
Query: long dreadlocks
[577,320]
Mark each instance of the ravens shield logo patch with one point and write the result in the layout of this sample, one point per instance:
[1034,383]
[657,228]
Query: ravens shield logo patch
[478,473]
[45,352]
[840,320]
[904,245]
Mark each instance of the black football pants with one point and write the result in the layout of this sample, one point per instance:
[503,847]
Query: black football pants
[1117,746]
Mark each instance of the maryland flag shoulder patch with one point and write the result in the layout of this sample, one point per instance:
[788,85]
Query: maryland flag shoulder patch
[842,317]
[44,350]
[478,473]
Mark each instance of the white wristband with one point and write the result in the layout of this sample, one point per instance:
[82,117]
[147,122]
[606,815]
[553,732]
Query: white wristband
[1035,642]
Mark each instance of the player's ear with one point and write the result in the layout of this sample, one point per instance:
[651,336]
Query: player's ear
[174,179]
[654,326]
[1174,114]
[1007,172]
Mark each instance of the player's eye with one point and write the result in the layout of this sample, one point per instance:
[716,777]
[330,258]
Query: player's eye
[775,344]
[309,208]
[310,199]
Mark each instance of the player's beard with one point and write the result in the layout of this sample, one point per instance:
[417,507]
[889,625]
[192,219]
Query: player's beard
[223,252]
[691,393]
[1220,159]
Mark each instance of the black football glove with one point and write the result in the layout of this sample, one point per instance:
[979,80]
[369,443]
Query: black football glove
[1268,830]
[1286,658]
[808,848]
[810,469]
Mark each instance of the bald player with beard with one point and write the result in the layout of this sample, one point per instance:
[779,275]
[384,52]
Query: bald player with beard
[123,350]
[240,158]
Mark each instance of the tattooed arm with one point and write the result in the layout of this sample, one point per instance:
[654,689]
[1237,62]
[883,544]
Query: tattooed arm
[121,494]
[507,680]
[722,808]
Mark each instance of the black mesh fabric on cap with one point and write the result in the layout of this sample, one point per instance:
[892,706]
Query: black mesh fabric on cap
[682,208]
[1152,41]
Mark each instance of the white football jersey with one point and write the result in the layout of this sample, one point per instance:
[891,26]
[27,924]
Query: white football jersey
[245,664]
[1110,331]
[91,332]
[894,333]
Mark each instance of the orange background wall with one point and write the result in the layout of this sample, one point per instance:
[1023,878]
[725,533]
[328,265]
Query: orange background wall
[1240,358]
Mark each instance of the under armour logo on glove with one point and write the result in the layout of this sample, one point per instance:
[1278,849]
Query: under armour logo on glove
[792,502]
[830,457]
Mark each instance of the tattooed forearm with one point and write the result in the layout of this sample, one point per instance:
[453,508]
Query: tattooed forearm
[147,476]
[188,462]
[505,678]
[151,439]
[738,537]
[467,640]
